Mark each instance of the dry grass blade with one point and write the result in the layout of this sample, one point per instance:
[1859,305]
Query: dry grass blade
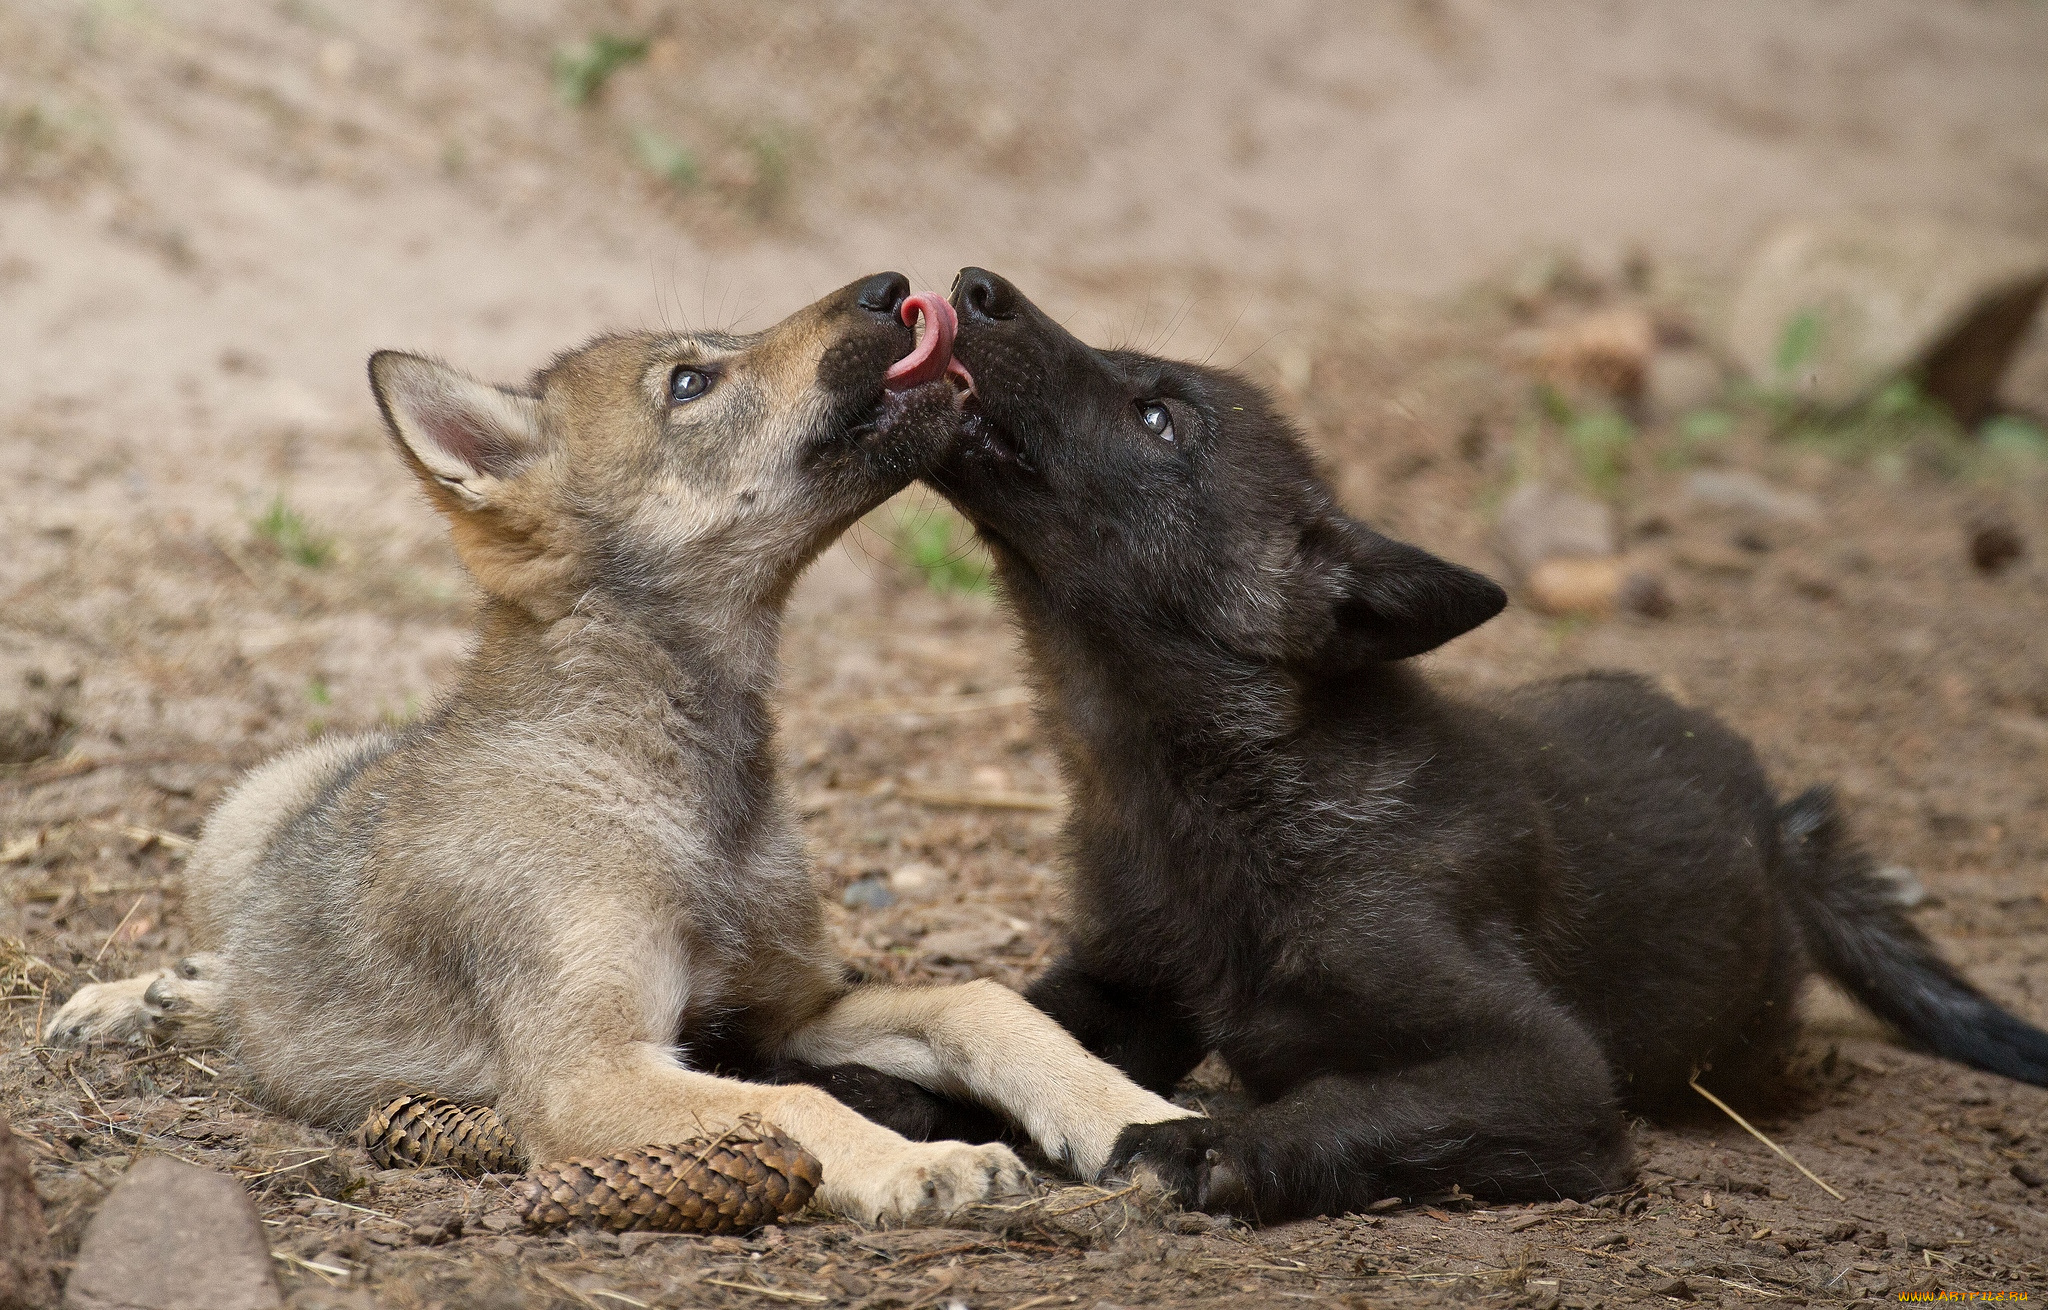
[562,1285]
[285,1169]
[807,1298]
[91,1095]
[118,927]
[325,1271]
[1750,1128]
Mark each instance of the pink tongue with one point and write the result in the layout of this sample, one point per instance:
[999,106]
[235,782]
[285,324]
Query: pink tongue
[933,356]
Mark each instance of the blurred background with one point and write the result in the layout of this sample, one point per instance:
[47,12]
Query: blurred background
[1711,329]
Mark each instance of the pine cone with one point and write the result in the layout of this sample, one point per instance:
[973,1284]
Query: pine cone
[418,1131]
[733,1183]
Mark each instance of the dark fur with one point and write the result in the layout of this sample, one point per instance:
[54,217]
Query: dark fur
[1440,943]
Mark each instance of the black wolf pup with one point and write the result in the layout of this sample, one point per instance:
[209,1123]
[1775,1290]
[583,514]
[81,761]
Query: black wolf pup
[1440,943]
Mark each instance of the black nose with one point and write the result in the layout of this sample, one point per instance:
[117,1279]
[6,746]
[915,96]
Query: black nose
[883,293]
[978,293]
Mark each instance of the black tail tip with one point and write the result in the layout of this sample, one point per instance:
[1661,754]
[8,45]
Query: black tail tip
[1811,817]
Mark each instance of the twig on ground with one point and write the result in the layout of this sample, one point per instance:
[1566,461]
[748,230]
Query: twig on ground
[72,768]
[962,704]
[1749,1128]
[170,841]
[984,800]
[1090,1205]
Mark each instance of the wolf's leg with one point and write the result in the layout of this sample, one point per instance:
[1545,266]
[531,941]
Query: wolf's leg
[1508,1123]
[1142,1033]
[983,1041]
[178,1005]
[628,1096]
[895,1103]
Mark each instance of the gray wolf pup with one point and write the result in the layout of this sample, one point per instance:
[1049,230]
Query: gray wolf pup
[1441,943]
[581,863]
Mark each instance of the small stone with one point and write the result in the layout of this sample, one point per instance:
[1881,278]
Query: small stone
[1539,522]
[1195,1223]
[436,1224]
[1834,312]
[1575,586]
[1681,382]
[1607,351]
[35,710]
[27,1281]
[919,878]
[172,1236]
[970,943]
[868,893]
[1738,490]
[1812,586]
[1645,595]
[1995,544]
[1677,1288]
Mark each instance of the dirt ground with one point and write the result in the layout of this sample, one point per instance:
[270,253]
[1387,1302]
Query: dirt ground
[210,213]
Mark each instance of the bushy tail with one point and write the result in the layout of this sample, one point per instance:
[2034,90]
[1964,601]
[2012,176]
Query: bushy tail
[1856,934]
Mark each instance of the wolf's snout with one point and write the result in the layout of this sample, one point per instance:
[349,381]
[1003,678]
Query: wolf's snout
[932,357]
[882,294]
[982,296]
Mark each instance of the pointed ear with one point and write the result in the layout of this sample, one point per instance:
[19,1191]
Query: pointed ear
[460,435]
[1390,600]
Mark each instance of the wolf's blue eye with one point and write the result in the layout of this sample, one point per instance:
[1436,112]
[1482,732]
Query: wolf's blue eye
[1156,420]
[687,384]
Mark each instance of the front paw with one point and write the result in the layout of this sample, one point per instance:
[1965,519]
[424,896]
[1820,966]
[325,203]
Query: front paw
[107,1012]
[1197,1162]
[928,1182]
